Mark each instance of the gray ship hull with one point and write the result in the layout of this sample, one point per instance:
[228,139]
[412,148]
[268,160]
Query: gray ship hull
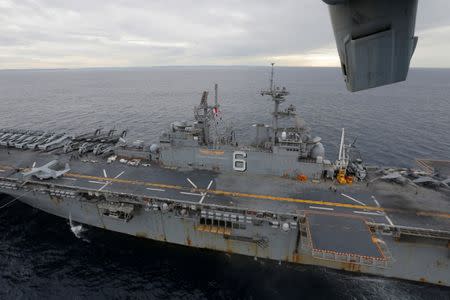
[414,260]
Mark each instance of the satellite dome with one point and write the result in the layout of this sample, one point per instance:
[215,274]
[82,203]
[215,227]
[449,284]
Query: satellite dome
[180,124]
[318,150]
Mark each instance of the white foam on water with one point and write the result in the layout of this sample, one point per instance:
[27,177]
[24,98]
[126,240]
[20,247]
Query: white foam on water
[77,230]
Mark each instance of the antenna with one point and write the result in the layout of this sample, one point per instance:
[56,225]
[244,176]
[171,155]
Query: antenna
[278,96]
[271,78]
[343,158]
[216,87]
[341,147]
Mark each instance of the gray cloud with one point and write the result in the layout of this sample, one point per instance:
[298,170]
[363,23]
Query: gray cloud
[52,33]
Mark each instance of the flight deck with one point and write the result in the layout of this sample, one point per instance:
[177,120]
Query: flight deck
[424,208]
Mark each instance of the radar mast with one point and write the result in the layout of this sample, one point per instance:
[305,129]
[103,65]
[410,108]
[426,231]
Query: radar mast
[277,96]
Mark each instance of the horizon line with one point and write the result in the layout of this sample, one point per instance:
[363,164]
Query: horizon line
[187,66]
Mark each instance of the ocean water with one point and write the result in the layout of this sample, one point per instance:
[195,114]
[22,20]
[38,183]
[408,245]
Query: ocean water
[41,258]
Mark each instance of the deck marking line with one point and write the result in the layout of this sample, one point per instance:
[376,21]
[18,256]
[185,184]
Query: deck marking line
[389,220]
[209,185]
[104,186]
[109,182]
[204,193]
[232,194]
[353,199]
[118,175]
[158,190]
[295,200]
[93,181]
[73,179]
[192,194]
[367,213]
[34,165]
[376,202]
[193,184]
[324,208]
[433,214]
[2,170]
[104,173]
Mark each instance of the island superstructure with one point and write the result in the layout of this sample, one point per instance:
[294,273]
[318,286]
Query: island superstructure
[277,198]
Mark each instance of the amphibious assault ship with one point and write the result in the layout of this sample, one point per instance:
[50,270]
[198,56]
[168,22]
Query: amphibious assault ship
[277,198]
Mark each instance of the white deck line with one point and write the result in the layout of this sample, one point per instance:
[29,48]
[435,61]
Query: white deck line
[157,190]
[98,182]
[367,213]
[120,174]
[192,194]
[67,178]
[353,199]
[104,185]
[193,184]
[389,220]
[376,202]
[323,208]
[209,185]
[104,173]
[2,170]
[204,194]
[108,182]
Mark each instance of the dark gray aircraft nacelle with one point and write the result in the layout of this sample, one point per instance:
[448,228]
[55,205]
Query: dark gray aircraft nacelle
[375,40]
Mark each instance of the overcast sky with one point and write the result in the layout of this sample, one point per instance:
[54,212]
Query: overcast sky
[98,33]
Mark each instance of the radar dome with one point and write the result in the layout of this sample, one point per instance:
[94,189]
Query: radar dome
[180,124]
[316,140]
[318,150]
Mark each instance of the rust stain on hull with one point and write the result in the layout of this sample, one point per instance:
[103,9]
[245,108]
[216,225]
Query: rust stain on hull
[352,267]
[296,258]
[56,200]
[229,246]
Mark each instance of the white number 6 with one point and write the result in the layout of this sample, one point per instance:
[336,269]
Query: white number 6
[239,163]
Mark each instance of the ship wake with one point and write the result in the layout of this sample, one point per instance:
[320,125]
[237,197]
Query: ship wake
[77,229]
